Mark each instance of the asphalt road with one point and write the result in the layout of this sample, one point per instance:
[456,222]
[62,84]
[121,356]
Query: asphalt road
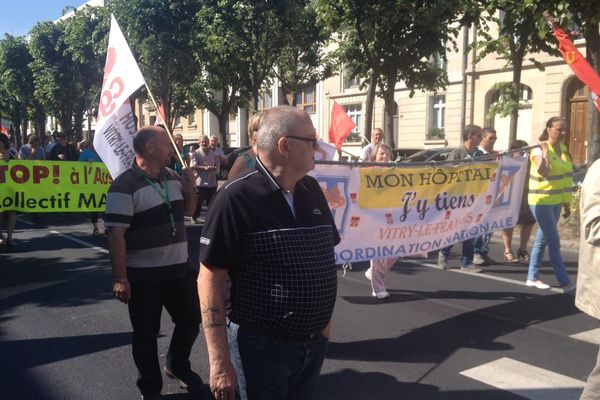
[441,334]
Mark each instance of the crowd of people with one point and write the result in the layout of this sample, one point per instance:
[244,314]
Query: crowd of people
[266,285]
[55,147]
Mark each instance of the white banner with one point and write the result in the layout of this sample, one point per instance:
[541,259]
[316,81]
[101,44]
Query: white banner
[115,126]
[384,212]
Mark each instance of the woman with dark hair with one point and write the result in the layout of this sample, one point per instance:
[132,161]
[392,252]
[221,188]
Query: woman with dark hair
[526,220]
[550,190]
[11,216]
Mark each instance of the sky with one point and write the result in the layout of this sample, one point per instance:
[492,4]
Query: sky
[17,17]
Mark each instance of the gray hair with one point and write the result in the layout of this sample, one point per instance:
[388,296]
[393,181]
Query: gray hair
[275,123]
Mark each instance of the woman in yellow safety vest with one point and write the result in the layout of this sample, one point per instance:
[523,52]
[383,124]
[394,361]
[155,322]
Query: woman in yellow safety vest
[550,189]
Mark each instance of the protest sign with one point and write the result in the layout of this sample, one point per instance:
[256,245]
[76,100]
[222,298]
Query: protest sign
[400,211]
[53,186]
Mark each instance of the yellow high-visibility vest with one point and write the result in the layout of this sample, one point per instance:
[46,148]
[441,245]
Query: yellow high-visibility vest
[557,188]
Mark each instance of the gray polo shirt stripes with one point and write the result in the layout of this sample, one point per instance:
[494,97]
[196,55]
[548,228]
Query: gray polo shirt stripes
[153,252]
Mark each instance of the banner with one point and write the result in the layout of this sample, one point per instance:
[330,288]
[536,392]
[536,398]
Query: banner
[115,125]
[383,212]
[53,186]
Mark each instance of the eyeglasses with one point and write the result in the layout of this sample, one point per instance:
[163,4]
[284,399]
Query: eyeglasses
[314,141]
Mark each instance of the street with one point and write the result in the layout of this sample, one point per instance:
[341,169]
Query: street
[441,334]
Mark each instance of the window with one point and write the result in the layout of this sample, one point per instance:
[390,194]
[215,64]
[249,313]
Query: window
[142,118]
[264,101]
[526,94]
[307,99]
[354,111]
[350,81]
[437,117]
[438,61]
[192,119]
[178,122]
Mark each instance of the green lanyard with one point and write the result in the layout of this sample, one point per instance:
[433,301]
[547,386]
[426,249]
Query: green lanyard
[166,200]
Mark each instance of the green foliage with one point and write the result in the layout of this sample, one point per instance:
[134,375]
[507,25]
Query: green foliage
[242,37]
[303,60]
[522,30]
[67,65]
[395,40]
[159,33]
[16,83]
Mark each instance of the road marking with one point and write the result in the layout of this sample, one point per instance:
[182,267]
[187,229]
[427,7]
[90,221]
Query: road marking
[591,336]
[14,291]
[484,276]
[81,242]
[526,380]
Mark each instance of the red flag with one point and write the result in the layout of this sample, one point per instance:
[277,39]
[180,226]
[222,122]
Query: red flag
[340,127]
[582,69]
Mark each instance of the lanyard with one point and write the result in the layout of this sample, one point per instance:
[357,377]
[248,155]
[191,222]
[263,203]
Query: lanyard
[166,200]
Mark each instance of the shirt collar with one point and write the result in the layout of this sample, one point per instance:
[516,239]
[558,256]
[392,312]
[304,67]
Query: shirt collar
[140,173]
[271,179]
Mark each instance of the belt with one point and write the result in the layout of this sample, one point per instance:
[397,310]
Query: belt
[282,338]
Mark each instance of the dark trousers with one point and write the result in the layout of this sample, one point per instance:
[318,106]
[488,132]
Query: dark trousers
[180,298]
[205,195]
[277,369]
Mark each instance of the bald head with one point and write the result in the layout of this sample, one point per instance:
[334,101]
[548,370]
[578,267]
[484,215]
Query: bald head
[143,136]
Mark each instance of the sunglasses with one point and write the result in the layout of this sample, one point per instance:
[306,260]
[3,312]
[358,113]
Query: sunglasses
[315,143]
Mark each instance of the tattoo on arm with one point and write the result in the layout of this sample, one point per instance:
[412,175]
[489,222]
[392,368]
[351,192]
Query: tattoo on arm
[213,317]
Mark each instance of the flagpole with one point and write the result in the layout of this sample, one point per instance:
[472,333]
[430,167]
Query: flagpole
[183,163]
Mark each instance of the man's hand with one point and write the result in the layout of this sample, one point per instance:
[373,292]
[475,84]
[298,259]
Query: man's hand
[223,381]
[188,180]
[122,291]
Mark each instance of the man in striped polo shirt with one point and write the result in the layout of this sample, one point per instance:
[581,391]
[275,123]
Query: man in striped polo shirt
[145,207]
[272,231]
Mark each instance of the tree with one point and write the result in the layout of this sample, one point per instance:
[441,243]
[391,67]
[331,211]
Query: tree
[159,33]
[221,83]
[394,41]
[52,72]
[303,61]
[16,83]
[521,31]
[86,38]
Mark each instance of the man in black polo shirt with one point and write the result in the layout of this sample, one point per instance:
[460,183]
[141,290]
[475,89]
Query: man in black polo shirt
[272,231]
[148,248]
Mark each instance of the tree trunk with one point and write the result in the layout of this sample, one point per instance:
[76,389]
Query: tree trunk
[223,121]
[592,39]
[515,97]
[388,116]
[370,100]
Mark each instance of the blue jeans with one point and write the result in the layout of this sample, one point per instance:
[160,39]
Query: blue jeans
[280,369]
[236,359]
[467,251]
[547,217]
[482,244]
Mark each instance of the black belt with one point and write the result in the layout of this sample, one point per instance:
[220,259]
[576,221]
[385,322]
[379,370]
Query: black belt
[282,338]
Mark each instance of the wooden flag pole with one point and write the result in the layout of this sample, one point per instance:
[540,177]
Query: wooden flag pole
[183,163]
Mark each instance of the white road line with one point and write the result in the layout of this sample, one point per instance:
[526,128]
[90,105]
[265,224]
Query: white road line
[81,242]
[483,275]
[591,336]
[526,380]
